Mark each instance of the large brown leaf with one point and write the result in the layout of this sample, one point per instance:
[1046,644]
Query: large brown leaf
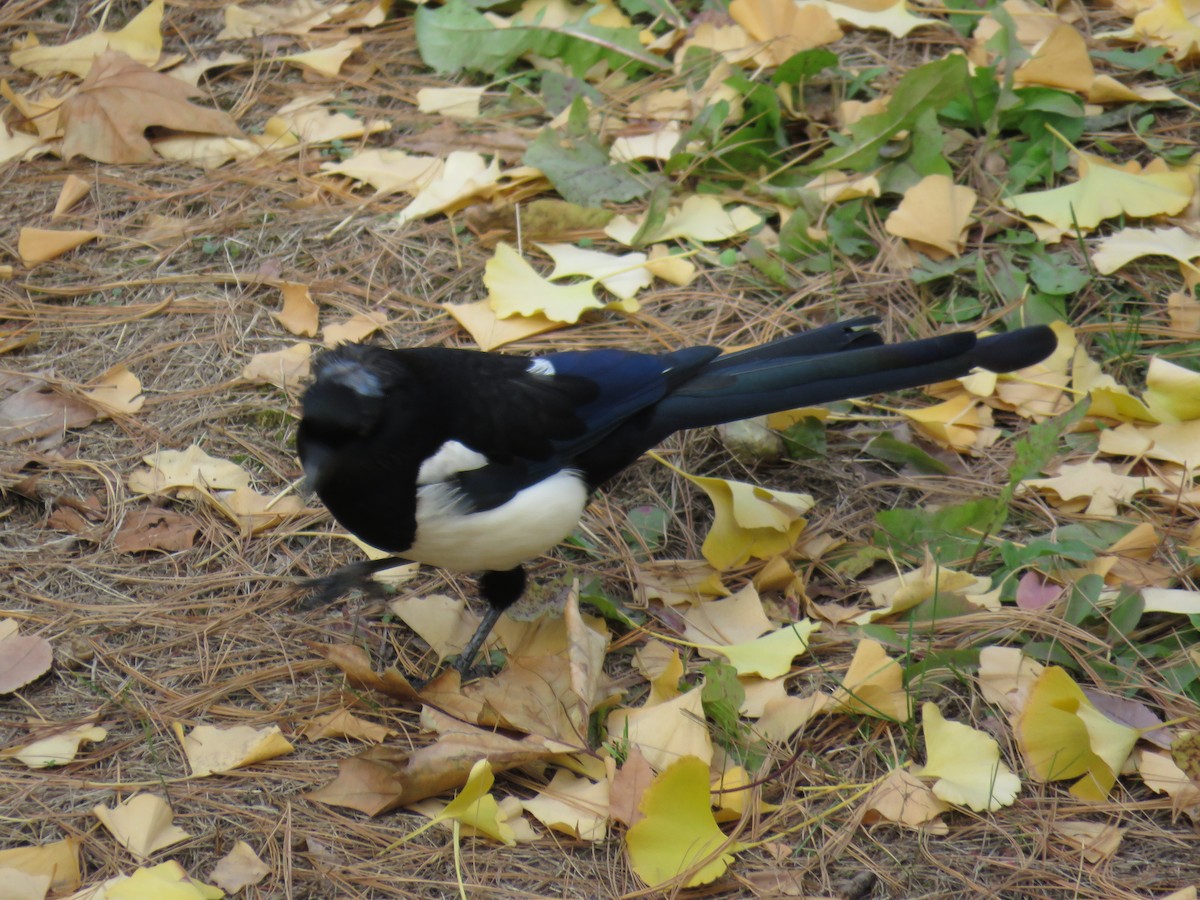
[106,119]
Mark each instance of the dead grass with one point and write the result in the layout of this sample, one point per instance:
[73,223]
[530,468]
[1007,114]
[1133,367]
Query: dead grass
[212,635]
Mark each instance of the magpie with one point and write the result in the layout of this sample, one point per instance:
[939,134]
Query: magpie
[479,462]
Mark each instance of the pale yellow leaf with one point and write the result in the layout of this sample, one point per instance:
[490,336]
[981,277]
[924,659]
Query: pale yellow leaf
[1096,841]
[734,620]
[1099,484]
[966,763]
[515,288]
[353,329]
[253,512]
[208,152]
[784,27]
[342,723]
[961,423]
[210,749]
[892,17]
[904,800]
[1124,246]
[670,267]
[57,862]
[840,187]
[239,868]
[657,144]
[665,732]
[1006,675]
[622,275]
[189,73]
[298,17]
[453,102]
[1172,392]
[73,190]
[701,218]
[191,468]
[326,61]
[771,655]
[57,749]
[463,176]
[142,825]
[285,368]
[575,806]
[140,39]
[874,685]
[1061,61]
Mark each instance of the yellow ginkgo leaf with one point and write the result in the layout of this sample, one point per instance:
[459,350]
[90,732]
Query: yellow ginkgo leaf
[37,245]
[140,39]
[477,809]
[1062,735]
[1104,191]
[961,423]
[732,795]
[142,824]
[452,102]
[785,27]
[1061,61]
[700,218]
[892,16]
[210,749]
[622,275]
[299,314]
[665,732]
[935,211]
[188,469]
[1169,23]
[326,61]
[748,520]
[1124,246]
[575,806]
[874,685]
[678,833]
[966,763]
[388,171]
[902,799]
[166,880]
[771,655]
[463,176]
[58,749]
[1172,392]
[117,391]
[516,289]
[489,331]
[1099,484]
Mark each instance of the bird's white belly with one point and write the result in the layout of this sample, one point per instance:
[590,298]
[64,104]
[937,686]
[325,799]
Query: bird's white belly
[497,539]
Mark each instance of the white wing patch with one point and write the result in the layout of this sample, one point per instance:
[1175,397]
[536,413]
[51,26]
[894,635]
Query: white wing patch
[497,539]
[541,366]
[450,459]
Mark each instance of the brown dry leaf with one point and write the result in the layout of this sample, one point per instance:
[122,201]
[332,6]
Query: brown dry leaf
[35,410]
[140,39]
[1163,776]
[210,749]
[118,392]
[160,229]
[354,329]
[904,800]
[734,620]
[299,314]
[285,368]
[444,623]
[23,659]
[73,190]
[155,528]
[934,213]
[356,666]
[239,868]
[142,825]
[1096,841]
[297,18]
[383,778]
[58,749]
[343,723]
[38,245]
[628,786]
[105,119]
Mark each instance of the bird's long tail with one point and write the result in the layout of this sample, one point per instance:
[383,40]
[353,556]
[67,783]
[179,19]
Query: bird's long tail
[838,362]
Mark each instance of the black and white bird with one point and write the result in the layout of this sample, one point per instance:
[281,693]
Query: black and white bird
[479,462]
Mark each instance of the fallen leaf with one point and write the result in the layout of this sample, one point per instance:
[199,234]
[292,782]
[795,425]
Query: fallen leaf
[142,825]
[23,659]
[1061,61]
[490,331]
[701,218]
[904,800]
[677,833]
[934,212]
[57,749]
[296,18]
[456,102]
[892,17]
[105,119]
[966,763]
[210,749]
[326,61]
[140,39]
[770,656]
[1096,841]
[665,732]
[356,328]
[1172,392]
[1098,483]
[622,275]
[166,880]
[575,806]
[299,314]
[57,862]
[285,368]
[155,528]
[734,620]
[874,685]
[389,171]
[73,190]
[343,723]
[1006,676]
[629,785]
[118,392]
[1122,247]
[463,176]
[190,72]
[239,868]
[39,245]
[784,27]
[188,469]
[515,288]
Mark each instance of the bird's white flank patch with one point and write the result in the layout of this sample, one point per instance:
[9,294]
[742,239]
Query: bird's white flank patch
[541,366]
[497,539]
[450,459]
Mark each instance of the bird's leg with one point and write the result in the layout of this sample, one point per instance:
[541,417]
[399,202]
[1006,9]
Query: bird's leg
[501,590]
[329,587]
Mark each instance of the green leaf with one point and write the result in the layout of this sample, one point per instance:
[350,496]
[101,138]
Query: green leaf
[804,65]
[611,609]
[1083,602]
[951,533]
[649,524]
[1055,273]
[457,36]
[805,439]
[900,453]
[722,696]
[930,86]
[581,171]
